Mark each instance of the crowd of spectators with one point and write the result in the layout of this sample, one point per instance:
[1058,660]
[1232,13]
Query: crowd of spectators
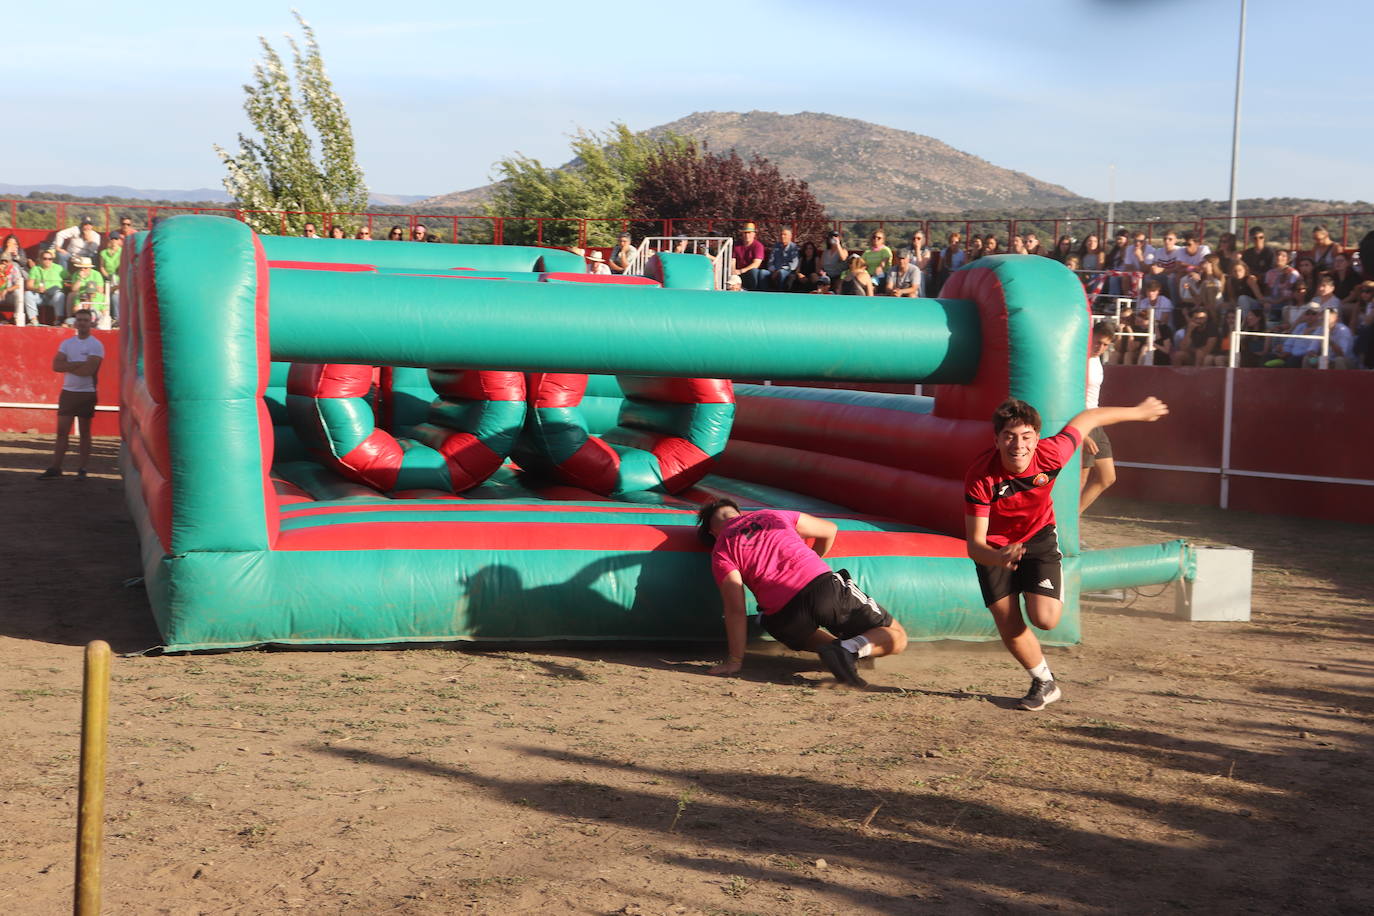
[77,268]
[1194,295]
[1187,291]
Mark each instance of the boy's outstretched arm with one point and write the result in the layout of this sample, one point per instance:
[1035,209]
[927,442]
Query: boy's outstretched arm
[1147,411]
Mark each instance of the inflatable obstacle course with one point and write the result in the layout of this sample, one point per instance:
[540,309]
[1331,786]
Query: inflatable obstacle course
[341,442]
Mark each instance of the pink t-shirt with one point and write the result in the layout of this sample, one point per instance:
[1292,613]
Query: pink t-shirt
[771,557]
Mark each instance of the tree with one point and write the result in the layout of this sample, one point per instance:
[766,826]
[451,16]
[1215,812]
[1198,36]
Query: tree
[692,182]
[277,170]
[596,184]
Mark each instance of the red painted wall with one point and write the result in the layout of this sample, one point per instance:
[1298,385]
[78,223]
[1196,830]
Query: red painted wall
[26,376]
[1285,421]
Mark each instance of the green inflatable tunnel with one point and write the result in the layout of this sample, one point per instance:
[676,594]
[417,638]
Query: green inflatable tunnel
[318,437]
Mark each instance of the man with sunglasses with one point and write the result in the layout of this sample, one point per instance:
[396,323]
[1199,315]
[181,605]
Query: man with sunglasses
[45,288]
[1259,257]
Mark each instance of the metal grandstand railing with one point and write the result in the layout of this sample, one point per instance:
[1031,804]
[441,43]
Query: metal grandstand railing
[29,214]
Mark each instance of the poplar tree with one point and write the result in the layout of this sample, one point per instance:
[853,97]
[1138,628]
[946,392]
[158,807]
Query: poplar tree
[277,169]
[596,184]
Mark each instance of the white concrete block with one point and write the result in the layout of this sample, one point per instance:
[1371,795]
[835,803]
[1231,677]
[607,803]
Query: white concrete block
[1221,590]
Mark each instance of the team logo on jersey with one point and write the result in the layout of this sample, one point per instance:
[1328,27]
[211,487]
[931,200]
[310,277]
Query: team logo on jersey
[1039,480]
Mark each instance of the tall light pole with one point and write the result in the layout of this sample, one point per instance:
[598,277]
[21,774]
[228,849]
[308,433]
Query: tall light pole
[1235,122]
[1111,202]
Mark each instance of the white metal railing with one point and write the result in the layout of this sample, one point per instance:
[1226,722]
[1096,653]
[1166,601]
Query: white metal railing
[1323,359]
[1147,352]
[720,249]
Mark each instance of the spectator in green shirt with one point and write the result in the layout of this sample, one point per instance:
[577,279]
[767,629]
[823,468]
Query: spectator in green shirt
[45,288]
[86,289]
[110,257]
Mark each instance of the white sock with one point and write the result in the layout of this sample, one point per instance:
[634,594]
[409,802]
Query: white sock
[1041,671]
[859,645]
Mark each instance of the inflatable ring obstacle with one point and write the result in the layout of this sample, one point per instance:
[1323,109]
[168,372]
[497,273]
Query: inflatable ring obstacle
[470,428]
[667,434]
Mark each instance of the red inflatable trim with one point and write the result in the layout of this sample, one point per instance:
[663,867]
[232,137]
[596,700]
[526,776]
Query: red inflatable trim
[288,494]
[940,446]
[678,390]
[150,416]
[990,384]
[266,437]
[374,462]
[931,502]
[469,460]
[450,276]
[680,462]
[473,505]
[478,385]
[459,535]
[156,491]
[329,380]
[609,279]
[594,466]
[556,389]
[321,265]
[152,325]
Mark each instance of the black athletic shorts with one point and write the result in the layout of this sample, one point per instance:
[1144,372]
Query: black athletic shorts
[1038,573]
[76,404]
[1104,446]
[832,602]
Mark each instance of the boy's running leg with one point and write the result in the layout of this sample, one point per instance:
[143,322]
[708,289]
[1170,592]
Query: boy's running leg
[1024,647]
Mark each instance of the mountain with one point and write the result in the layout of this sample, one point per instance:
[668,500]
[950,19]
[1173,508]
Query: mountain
[853,167]
[93,193]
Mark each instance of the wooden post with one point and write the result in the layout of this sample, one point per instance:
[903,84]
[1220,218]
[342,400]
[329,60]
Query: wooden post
[95,705]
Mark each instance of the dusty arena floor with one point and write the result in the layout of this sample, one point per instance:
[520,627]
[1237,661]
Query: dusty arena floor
[1216,768]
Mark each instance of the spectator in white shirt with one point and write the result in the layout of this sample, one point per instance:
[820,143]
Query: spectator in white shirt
[80,241]
[1139,254]
[596,263]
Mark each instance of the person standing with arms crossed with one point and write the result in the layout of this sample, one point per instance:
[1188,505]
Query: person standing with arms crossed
[1009,526]
[79,359]
[1099,467]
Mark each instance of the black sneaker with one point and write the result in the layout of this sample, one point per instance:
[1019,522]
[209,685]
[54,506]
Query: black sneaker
[842,663]
[80,473]
[50,474]
[1042,694]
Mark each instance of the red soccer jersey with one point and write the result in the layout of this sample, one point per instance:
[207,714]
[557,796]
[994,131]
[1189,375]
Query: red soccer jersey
[1017,506]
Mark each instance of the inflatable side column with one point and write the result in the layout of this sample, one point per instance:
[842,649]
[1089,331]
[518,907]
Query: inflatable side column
[1035,348]
[204,335]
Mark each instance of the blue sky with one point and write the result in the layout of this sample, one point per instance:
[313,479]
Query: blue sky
[439,91]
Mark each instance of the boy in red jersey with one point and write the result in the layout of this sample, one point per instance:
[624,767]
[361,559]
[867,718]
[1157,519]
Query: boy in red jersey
[803,603]
[1009,525]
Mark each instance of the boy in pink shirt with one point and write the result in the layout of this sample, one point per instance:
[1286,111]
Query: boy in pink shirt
[803,604]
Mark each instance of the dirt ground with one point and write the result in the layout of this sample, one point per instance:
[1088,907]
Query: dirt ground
[1217,768]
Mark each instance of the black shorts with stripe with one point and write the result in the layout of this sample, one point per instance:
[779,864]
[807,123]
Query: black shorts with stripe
[1039,571]
[832,602]
[79,404]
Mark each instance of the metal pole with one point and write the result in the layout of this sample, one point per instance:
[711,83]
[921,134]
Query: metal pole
[1235,123]
[1226,418]
[95,704]
[1111,200]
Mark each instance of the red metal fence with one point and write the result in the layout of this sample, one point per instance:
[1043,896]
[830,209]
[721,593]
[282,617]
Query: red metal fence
[1289,230]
